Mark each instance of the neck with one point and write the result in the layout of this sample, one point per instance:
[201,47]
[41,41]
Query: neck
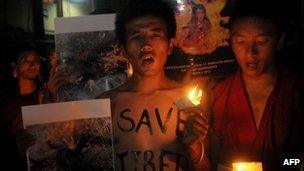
[149,84]
[26,86]
[264,80]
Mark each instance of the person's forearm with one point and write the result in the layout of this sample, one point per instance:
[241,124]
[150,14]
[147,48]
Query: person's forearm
[200,160]
[203,165]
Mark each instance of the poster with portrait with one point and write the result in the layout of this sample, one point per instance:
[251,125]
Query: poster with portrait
[73,135]
[88,52]
[202,38]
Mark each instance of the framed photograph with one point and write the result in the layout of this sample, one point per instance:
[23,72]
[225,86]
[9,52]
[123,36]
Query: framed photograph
[202,39]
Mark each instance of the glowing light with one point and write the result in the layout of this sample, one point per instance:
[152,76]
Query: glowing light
[247,166]
[195,95]
[129,70]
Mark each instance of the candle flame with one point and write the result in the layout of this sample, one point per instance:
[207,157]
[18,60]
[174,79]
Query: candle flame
[240,166]
[195,95]
[247,166]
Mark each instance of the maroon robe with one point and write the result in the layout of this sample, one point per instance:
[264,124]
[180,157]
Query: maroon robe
[10,122]
[280,132]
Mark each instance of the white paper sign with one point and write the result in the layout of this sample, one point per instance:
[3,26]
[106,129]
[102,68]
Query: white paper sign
[70,135]
[88,51]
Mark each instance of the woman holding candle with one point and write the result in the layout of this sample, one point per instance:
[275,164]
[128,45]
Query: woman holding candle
[258,111]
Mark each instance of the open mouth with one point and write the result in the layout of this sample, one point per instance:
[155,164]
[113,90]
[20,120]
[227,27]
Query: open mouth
[147,60]
[252,65]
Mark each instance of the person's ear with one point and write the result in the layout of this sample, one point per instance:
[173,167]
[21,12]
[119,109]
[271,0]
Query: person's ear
[281,41]
[14,69]
[171,45]
[15,73]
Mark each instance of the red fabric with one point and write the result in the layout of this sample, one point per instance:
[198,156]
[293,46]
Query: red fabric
[280,128]
[10,122]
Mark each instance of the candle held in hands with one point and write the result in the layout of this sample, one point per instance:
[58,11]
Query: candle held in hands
[247,166]
[191,100]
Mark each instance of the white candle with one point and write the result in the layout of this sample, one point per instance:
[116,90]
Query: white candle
[247,166]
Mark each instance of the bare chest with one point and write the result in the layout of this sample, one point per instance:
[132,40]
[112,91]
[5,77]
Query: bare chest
[146,128]
[147,120]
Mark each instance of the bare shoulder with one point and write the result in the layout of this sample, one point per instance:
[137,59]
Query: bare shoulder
[113,93]
[174,89]
[107,94]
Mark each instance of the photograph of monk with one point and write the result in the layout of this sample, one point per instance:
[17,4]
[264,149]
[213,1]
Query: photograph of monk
[202,39]
[200,27]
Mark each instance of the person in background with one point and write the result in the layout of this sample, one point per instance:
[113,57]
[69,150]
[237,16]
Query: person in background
[258,111]
[53,59]
[150,132]
[27,89]
[198,27]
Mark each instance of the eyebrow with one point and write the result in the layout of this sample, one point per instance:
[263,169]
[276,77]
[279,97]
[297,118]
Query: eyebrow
[132,32]
[242,35]
[136,28]
[23,60]
[158,29]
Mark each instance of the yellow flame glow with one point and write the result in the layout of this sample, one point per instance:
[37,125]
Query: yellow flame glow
[247,166]
[195,95]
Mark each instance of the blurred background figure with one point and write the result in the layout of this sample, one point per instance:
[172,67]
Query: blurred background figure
[198,27]
[52,57]
[23,91]
[26,88]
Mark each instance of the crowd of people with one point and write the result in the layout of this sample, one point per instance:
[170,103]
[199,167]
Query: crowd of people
[255,115]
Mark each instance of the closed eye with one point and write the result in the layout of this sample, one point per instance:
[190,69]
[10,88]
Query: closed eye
[262,40]
[239,40]
[135,36]
[157,35]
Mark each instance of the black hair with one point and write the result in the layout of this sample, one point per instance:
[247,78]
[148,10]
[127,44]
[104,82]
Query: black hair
[266,10]
[141,8]
[197,7]
[22,54]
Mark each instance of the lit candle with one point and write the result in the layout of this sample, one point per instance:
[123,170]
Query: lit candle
[195,95]
[191,100]
[247,166]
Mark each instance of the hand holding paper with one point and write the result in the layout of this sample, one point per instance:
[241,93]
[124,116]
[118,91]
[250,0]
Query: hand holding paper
[196,126]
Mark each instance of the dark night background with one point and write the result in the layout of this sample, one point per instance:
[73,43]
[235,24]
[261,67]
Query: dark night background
[22,24]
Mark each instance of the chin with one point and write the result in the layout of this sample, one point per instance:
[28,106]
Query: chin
[251,73]
[32,77]
[150,73]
